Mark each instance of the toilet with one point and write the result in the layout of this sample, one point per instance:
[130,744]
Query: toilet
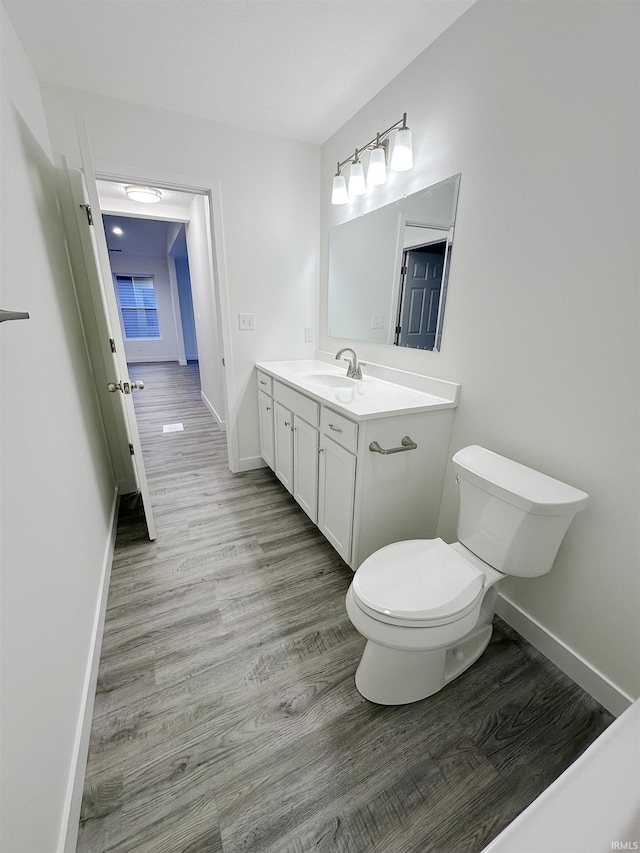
[426,608]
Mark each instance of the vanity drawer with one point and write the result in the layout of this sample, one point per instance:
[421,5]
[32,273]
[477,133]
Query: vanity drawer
[340,429]
[265,383]
[302,406]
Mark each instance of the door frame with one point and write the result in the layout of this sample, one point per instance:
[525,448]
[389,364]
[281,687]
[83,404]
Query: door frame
[217,265]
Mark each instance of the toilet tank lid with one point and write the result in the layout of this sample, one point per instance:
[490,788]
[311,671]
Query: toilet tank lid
[518,484]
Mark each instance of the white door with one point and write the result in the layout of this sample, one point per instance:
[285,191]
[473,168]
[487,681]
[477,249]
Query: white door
[106,310]
[305,467]
[336,495]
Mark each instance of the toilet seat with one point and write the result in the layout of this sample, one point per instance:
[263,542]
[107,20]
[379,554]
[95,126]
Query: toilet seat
[418,583]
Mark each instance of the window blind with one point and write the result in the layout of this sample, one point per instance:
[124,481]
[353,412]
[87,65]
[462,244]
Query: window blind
[137,300]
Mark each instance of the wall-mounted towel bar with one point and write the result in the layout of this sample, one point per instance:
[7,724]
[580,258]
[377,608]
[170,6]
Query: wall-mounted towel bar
[406,444]
[13,315]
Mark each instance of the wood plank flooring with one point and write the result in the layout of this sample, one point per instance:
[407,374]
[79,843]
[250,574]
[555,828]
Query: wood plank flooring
[226,715]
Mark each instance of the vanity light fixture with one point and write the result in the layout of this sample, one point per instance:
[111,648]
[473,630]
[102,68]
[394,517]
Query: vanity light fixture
[402,157]
[147,195]
[377,171]
[401,160]
[357,185]
[339,194]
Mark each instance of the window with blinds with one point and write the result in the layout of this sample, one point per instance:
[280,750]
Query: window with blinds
[137,301]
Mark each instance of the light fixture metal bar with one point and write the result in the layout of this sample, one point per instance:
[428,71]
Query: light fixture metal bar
[377,139]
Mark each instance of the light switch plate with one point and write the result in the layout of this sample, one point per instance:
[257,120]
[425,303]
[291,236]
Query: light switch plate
[308,334]
[247,322]
[377,321]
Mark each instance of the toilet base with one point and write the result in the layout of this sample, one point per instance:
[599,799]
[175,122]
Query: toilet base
[396,677]
[389,676]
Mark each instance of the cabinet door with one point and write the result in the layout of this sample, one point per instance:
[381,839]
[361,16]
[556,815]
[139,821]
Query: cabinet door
[283,421]
[305,467]
[336,495]
[267,447]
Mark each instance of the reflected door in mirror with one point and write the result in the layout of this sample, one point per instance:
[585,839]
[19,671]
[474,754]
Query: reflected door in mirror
[420,298]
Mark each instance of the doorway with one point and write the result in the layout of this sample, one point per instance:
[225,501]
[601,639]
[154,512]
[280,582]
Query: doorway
[150,267]
[177,232]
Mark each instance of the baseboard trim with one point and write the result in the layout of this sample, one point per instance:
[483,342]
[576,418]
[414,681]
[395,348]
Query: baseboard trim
[73,802]
[250,463]
[153,359]
[604,691]
[221,423]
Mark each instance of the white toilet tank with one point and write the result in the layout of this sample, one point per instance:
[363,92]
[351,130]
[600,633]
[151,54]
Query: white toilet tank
[512,517]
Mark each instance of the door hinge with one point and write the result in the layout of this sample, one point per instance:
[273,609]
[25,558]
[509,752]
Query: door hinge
[112,344]
[224,364]
[398,329]
[131,451]
[87,210]
[404,270]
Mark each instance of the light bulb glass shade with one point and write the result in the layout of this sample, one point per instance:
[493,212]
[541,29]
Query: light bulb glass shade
[147,195]
[339,194]
[357,185]
[377,171]
[402,157]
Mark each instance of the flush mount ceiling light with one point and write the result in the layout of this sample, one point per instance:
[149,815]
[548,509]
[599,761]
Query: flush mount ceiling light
[147,195]
[401,160]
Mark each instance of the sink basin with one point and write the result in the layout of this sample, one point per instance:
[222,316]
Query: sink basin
[327,380]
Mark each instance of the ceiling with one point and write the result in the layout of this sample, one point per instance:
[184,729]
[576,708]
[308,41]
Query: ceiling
[294,68]
[141,237]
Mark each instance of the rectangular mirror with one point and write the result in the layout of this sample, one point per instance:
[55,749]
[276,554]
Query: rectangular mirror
[388,270]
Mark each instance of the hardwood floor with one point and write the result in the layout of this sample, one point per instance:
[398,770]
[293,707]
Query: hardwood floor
[226,714]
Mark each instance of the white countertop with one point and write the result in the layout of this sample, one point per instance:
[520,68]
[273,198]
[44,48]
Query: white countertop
[361,399]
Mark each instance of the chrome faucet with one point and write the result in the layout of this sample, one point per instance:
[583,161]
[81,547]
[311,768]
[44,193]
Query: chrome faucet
[354,371]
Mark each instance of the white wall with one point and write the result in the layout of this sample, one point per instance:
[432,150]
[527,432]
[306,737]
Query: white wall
[165,347]
[205,312]
[57,485]
[177,249]
[536,104]
[270,219]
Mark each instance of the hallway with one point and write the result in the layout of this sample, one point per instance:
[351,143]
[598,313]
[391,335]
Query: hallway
[226,715]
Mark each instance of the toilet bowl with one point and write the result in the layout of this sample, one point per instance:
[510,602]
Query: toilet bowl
[425,607]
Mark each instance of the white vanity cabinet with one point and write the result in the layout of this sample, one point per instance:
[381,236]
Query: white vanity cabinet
[267,437]
[283,433]
[305,466]
[295,442]
[360,498]
[337,481]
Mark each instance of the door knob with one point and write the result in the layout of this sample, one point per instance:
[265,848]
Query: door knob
[125,387]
